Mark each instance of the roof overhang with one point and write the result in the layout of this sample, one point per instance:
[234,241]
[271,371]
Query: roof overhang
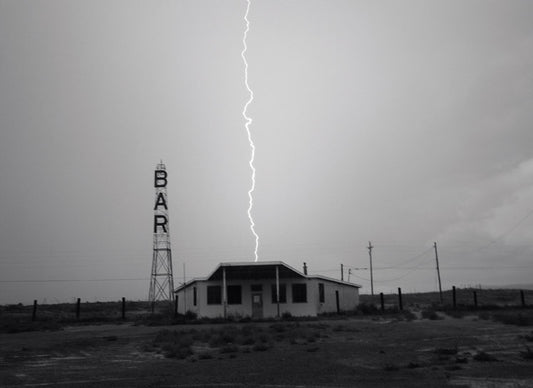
[320,277]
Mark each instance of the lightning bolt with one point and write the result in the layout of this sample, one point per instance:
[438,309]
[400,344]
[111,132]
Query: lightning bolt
[248,121]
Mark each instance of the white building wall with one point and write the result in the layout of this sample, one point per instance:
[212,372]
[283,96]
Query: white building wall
[186,299]
[348,298]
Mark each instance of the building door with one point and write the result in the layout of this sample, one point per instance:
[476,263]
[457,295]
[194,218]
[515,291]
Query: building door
[257,305]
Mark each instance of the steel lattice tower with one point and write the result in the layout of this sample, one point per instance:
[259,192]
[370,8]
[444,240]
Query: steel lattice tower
[161,277]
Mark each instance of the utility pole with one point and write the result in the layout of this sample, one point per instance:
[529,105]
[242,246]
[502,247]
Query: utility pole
[342,272]
[438,270]
[355,269]
[371,272]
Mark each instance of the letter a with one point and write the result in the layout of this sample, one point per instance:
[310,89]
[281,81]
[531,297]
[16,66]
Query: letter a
[160,201]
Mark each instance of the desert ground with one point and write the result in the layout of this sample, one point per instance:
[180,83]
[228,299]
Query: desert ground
[375,350]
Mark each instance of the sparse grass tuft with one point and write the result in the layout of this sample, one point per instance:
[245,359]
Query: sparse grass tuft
[339,328]
[17,325]
[457,314]
[229,348]
[529,337]
[430,314]
[260,347]
[177,351]
[224,336]
[367,309]
[514,318]
[446,351]
[286,316]
[452,367]
[390,367]
[408,315]
[247,341]
[484,315]
[174,344]
[527,354]
[484,357]
[278,327]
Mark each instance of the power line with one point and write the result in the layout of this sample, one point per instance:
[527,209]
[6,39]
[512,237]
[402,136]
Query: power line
[411,259]
[458,267]
[71,280]
[396,278]
[502,235]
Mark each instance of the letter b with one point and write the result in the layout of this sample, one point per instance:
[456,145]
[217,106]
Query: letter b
[160,178]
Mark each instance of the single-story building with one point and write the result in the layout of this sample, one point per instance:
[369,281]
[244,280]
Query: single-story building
[264,289]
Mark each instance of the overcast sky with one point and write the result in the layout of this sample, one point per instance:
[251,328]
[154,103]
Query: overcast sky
[397,122]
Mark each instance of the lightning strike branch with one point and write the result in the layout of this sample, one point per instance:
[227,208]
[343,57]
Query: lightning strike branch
[248,121]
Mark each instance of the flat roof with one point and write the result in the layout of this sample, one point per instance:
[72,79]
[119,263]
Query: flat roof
[259,270]
[254,271]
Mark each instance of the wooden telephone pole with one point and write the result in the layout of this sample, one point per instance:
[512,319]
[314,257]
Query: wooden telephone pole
[438,270]
[371,272]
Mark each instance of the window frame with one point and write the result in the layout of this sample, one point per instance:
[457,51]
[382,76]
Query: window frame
[214,299]
[231,295]
[321,293]
[299,296]
[282,293]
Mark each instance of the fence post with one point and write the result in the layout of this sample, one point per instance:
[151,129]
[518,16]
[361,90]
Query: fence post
[382,299]
[522,298]
[475,299]
[454,298]
[123,308]
[34,313]
[78,308]
[400,298]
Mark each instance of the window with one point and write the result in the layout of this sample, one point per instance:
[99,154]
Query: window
[194,296]
[214,295]
[321,296]
[299,293]
[234,295]
[282,294]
